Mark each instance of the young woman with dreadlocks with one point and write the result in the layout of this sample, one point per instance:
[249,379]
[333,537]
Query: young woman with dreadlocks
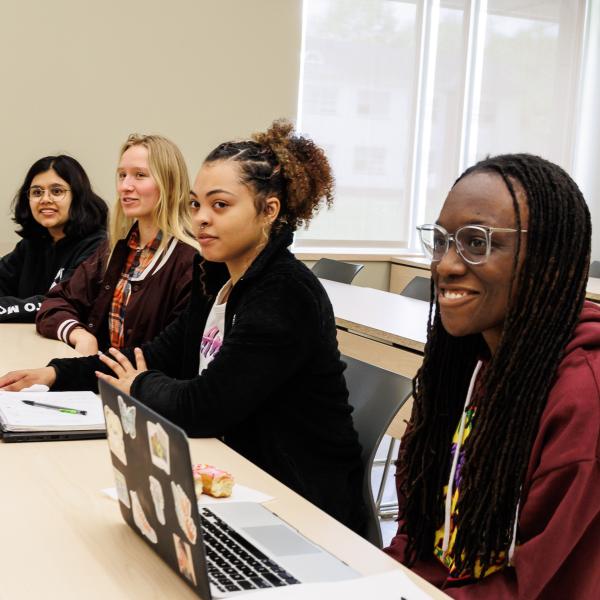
[498,474]
[254,360]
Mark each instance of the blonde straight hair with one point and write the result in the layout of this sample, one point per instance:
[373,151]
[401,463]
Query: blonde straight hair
[172,211]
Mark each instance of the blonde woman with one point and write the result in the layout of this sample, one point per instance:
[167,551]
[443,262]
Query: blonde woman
[137,282]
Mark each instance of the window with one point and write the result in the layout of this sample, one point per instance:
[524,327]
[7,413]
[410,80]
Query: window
[527,79]
[369,160]
[373,103]
[320,100]
[367,52]
[411,92]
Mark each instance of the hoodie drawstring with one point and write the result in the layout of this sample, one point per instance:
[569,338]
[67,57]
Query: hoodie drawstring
[461,430]
[450,489]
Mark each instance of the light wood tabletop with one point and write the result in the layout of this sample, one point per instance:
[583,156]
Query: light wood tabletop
[23,348]
[62,537]
[593,289]
[411,260]
[381,315]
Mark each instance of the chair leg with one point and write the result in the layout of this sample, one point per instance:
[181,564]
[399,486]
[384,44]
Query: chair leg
[388,462]
[388,510]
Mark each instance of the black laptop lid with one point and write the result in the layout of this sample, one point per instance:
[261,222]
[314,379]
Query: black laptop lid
[154,481]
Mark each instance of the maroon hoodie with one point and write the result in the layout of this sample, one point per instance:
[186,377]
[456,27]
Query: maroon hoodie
[557,556]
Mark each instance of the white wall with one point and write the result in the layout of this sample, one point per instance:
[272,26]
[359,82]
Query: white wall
[78,76]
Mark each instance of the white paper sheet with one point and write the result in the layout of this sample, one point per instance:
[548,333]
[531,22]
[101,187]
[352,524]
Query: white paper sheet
[17,416]
[391,585]
[240,493]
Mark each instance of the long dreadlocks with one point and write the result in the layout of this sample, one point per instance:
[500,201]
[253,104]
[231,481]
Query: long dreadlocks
[550,291]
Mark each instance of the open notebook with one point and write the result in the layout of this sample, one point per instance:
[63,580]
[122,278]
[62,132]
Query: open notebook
[67,415]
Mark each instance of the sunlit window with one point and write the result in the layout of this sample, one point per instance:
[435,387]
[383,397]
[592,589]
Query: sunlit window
[496,76]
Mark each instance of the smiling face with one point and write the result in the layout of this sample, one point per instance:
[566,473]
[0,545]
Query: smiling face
[138,191]
[475,298]
[51,209]
[226,221]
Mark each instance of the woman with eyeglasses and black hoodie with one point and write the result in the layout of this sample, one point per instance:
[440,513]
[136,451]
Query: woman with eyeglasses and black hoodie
[62,222]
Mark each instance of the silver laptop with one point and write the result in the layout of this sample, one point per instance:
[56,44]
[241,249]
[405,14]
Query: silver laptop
[219,550]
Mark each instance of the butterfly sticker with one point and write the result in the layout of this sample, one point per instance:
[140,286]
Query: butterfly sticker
[127,417]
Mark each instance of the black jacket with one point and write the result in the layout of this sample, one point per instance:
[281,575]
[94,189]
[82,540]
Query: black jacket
[275,392]
[34,266]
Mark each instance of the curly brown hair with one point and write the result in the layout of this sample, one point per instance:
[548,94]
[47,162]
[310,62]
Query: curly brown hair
[280,163]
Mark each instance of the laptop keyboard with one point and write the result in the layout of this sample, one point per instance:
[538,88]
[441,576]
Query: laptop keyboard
[235,564]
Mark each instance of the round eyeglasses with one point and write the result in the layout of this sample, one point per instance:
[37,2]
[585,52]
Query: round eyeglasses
[473,242]
[55,192]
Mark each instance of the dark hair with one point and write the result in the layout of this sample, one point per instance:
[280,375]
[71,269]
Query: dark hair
[281,164]
[87,213]
[512,393]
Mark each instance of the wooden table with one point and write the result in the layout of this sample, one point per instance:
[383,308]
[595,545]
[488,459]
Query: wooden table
[381,315]
[22,348]
[63,538]
[379,327]
[593,289]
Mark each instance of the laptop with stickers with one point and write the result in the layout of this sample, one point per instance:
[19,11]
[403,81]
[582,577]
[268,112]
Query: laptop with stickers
[219,550]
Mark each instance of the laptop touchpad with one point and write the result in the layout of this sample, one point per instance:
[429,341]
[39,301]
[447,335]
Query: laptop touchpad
[281,541]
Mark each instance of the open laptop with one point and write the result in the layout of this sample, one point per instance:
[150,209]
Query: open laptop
[219,551]
[51,436]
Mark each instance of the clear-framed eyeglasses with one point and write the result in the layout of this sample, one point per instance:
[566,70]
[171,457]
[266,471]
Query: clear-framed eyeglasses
[55,192]
[473,242]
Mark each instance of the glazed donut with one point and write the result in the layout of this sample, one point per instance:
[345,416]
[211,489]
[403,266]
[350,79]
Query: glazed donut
[212,481]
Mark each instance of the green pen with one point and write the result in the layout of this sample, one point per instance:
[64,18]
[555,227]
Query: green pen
[63,409]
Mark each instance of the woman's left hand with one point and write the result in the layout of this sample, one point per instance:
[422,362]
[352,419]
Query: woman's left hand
[125,372]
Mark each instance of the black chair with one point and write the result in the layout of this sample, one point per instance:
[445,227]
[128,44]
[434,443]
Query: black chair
[336,270]
[418,288]
[376,396]
[595,268]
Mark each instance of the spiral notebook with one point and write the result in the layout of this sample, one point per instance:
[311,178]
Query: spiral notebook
[66,415]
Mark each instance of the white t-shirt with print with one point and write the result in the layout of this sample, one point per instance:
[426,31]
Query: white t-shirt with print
[212,338]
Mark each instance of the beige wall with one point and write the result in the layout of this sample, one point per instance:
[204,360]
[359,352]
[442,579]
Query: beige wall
[79,75]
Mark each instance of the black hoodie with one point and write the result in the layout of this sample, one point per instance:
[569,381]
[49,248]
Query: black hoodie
[34,266]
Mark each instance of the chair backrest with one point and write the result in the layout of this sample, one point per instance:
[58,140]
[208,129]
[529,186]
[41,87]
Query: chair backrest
[336,270]
[595,268]
[418,288]
[376,396]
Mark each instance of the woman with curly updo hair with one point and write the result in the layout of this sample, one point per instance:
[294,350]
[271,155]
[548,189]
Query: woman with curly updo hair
[254,360]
